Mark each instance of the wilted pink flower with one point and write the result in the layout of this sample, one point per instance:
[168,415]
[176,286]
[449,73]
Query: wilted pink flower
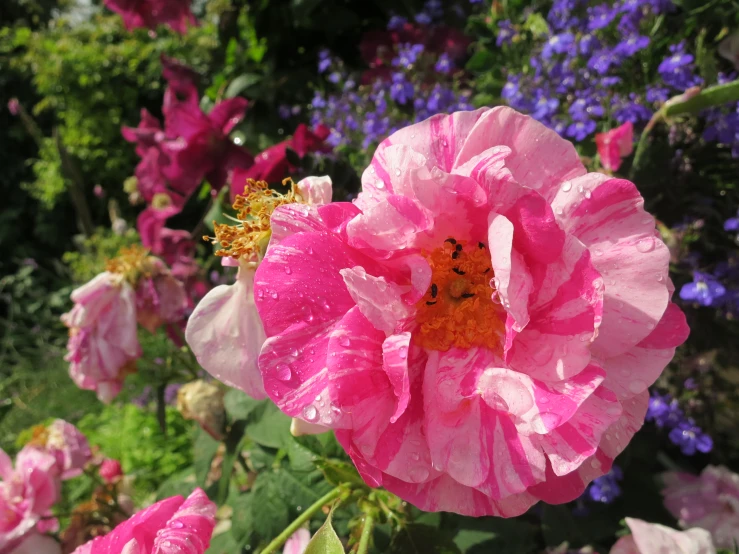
[103,345]
[615,145]
[480,327]
[149,13]
[709,501]
[272,165]
[110,470]
[160,298]
[171,526]
[26,495]
[224,331]
[651,538]
[298,542]
[66,444]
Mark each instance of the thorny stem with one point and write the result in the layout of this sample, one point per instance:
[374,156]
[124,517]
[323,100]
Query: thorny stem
[301,519]
[364,540]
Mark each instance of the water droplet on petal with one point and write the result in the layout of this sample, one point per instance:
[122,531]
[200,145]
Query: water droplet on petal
[397,172]
[403,352]
[595,464]
[283,372]
[419,474]
[598,252]
[637,386]
[645,244]
[274,295]
[559,210]
[176,524]
[288,270]
[310,413]
[344,341]
[588,194]
[414,456]
[380,185]
[567,186]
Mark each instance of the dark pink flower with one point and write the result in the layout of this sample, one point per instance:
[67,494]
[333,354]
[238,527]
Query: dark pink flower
[160,297]
[149,13]
[13,106]
[175,247]
[171,526]
[615,145]
[110,470]
[272,164]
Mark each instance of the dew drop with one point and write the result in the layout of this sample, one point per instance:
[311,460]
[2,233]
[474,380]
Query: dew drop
[645,244]
[567,186]
[274,295]
[415,456]
[260,294]
[419,474]
[344,341]
[598,252]
[595,464]
[637,386]
[588,194]
[310,250]
[403,352]
[559,210]
[380,185]
[397,172]
[310,413]
[283,372]
[288,270]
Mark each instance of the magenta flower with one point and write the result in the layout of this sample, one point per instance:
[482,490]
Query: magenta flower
[175,14]
[110,470]
[26,495]
[175,247]
[224,331]
[615,145]
[66,444]
[709,501]
[103,345]
[480,327]
[651,538]
[171,526]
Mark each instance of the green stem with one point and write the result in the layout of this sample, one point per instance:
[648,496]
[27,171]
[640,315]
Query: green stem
[641,148]
[719,95]
[364,540]
[280,539]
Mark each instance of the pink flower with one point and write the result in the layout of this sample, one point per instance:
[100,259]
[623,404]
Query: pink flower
[26,495]
[480,327]
[171,526]
[615,145]
[160,298]
[149,13]
[66,444]
[103,345]
[709,501]
[272,165]
[298,542]
[14,107]
[37,543]
[651,538]
[110,470]
[224,331]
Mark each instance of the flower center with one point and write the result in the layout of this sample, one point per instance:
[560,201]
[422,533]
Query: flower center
[132,262]
[458,309]
[250,237]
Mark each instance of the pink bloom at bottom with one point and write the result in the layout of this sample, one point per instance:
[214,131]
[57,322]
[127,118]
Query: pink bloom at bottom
[709,501]
[172,526]
[651,538]
[298,542]
[110,470]
[103,343]
[27,492]
[615,145]
[481,325]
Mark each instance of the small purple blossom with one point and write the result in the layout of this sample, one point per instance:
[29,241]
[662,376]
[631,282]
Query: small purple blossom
[632,45]
[506,32]
[704,290]
[324,60]
[690,438]
[444,64]
[579,130]
[396,22]
[407,55]
[401,90]
[600,16]
[558,44]
[605,489]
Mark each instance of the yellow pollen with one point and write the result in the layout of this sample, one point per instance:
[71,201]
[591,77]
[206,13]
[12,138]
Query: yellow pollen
[249,238]
[161,201]
[132,262]
[458,309]
[39,436]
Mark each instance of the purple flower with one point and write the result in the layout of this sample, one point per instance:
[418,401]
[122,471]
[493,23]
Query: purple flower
[602,60]
[407,55]
[690,438]
[600,16]
[444,64]
[605,489]
[664,411]
[401,90]
[423,18]
[632,45]
[579,130]
[731,224]
[396,22]
[506,32]
[558,44]
[284,111]
[678,59]
[588,44]
[334,77]
[583,109]
[704,290]
[170,393]
[657,94]
[677,69]
[690,384]
[324,60]
[630,110]
[544,108]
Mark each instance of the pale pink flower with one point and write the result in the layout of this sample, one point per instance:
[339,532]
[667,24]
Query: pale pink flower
[171,526]
[651,538]
[110,470]
[66,443]
[37,543]
[709,501]
[103,344]
[27,492]
[615,145]
[224,331]
[481,325]
[298,542]
[160,298]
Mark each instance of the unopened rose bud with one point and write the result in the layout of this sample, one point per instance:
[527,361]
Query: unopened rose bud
[203,402]
[110,470]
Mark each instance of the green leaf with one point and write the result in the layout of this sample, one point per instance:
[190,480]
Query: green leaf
[481,60]
[204,449]
[325,541]
[270,427]
[338,472]
[224,543]
[502,536]
[422,539]
[238,405]
[537,25]
[260,514]
[241,83]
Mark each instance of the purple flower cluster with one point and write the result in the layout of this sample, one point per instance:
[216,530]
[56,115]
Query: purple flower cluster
[412,84]
[718,288]
[583,72]
[666,413]
[605,489]
[722,124]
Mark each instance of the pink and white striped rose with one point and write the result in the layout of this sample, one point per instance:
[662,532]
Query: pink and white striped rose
[481,325]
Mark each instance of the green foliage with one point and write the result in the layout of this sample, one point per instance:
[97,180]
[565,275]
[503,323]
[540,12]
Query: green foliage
[325,541]
[132,435]
[93,253]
